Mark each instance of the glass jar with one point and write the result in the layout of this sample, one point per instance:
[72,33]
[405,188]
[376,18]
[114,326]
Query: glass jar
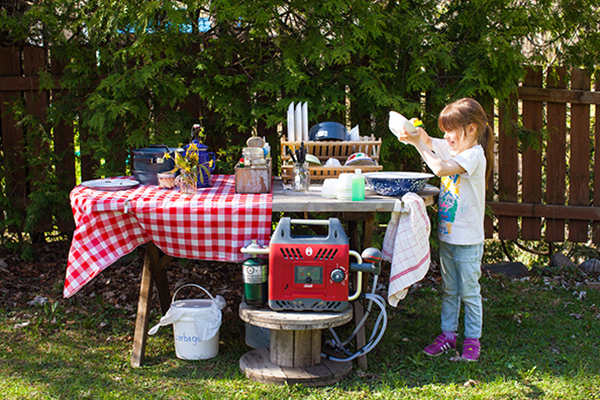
[300,177]
[253,156]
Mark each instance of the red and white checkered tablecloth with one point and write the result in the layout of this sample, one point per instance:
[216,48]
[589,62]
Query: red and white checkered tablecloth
[213,224]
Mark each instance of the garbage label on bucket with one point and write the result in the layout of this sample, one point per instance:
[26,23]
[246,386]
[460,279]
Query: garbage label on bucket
[196,324]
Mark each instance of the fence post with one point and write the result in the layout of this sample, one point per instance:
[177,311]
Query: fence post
[12,136]
[556,151]
[531,228]
[508,174]
[580,156]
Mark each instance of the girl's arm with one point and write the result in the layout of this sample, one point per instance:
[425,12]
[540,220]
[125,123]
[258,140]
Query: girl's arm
[437,165]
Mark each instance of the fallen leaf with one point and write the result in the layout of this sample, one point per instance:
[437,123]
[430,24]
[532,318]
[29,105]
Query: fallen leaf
[22,325]
[360,373]
[38,300]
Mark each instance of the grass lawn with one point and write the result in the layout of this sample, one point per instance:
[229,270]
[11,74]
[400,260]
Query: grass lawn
[541,341]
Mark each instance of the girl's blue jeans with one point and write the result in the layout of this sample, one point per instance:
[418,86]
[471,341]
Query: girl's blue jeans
[461,270]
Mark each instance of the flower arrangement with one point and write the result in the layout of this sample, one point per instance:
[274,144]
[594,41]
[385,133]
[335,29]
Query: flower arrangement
[190,169]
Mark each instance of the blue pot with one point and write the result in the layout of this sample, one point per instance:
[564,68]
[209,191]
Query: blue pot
[328,131]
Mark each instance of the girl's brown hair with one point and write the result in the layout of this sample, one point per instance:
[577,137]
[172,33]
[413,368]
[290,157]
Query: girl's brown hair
[464,112]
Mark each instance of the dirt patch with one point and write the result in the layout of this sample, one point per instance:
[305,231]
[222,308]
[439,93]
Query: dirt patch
[119,284]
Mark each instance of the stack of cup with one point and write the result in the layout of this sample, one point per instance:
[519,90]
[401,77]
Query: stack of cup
[329,188]
[344,187]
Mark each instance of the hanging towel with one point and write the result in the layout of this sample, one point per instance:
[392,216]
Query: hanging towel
[406,245]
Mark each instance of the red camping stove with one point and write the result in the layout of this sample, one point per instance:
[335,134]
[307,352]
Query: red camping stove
[309,272]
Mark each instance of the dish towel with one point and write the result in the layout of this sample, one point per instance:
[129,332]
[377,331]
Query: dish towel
[406,245]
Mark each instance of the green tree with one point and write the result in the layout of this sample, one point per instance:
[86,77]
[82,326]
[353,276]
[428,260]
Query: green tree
[135,71]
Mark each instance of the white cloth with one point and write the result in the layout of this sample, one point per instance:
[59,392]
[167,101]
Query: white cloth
[406,245]
[462,196]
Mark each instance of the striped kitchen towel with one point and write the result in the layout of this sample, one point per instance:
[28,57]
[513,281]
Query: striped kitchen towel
[406,245]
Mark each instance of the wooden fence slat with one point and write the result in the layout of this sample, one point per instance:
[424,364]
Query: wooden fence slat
[12,135]
[556,166]
[36,103]
[581,213]
[488,222]
[508,177]
[64,141]
[559,95]
[23,83]
[579,181]
[596,225]
[531,228]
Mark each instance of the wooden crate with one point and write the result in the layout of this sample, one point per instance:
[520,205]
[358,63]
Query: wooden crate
[326,150]
[253,179]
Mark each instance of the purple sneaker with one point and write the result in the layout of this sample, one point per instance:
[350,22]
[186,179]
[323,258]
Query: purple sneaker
[471,349]
[440,345]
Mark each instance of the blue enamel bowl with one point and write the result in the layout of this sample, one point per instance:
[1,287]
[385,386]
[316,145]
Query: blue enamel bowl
[396,183]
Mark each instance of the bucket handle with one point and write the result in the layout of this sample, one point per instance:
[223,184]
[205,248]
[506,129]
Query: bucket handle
[191,284]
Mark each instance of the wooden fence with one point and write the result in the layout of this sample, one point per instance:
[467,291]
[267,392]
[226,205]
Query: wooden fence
[544,181]
[542,185]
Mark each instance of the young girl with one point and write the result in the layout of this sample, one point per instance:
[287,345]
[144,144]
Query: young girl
[460,160]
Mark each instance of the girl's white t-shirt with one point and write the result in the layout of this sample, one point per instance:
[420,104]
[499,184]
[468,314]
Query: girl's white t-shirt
[461,203]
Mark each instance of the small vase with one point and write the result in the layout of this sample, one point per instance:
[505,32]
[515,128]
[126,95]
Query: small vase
[186,183]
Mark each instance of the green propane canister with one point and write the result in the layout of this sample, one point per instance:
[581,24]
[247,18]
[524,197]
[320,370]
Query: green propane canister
[255,282]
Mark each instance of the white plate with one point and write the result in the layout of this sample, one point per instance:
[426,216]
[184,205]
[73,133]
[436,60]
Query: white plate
[110,185]
[399,121]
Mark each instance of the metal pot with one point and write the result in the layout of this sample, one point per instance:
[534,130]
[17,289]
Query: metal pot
[152,158]
[147,162]
[328,131]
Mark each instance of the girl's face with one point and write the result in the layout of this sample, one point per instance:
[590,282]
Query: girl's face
[461,140]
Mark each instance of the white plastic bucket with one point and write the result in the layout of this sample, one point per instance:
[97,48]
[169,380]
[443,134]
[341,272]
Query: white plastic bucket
[188,344]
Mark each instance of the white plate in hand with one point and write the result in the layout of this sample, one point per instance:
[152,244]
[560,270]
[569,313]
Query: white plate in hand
[399,121]
[110,185]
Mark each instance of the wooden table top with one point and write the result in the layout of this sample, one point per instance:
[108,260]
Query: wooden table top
[293,320]
[286,200]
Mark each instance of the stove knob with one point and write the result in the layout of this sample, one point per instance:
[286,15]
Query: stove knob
[337,275]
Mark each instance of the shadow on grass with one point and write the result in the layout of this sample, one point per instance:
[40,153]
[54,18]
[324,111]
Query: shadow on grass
[537,340]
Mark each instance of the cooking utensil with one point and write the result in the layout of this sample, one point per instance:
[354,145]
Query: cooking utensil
[291,154]
[328,131]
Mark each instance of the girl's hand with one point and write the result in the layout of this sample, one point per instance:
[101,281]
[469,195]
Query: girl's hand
[411,138]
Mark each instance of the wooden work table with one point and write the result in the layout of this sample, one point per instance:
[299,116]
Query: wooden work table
[284,201]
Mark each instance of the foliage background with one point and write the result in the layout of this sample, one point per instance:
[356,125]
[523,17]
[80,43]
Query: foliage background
[138,73]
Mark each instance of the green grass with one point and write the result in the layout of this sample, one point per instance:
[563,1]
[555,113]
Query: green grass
[540,341]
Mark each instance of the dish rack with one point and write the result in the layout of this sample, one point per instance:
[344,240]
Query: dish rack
[326,150]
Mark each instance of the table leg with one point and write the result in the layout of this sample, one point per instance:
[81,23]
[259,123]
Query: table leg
[359,308]
[367,241]
[153,272]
